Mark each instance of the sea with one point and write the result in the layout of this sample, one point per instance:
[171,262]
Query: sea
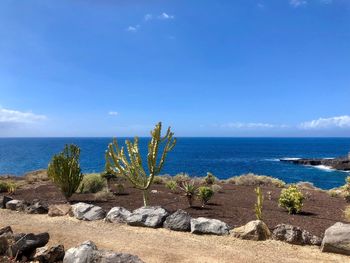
[224,157]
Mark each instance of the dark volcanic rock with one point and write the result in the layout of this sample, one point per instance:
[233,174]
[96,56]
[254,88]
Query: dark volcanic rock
[26,244]
[4,200]
[178,221]
[49,255]
[294,235]
[340,163]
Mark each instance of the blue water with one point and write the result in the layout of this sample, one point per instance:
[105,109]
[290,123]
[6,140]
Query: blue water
[225,157]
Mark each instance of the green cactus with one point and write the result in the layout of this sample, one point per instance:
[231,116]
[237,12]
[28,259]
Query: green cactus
[259,203]
[64,170]
[131,167]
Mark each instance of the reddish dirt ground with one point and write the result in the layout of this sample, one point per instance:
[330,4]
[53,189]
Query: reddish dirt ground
[234,205]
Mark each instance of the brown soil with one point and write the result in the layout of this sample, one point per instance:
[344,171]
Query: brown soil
[162,245]
[235,205]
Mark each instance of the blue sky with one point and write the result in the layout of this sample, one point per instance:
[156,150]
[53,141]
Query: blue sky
[207,68]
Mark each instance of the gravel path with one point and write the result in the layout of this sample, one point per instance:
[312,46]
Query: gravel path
[161,245]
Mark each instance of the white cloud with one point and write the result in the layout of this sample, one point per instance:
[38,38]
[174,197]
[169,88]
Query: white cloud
[133,28]
[14,116]
[326,123]
[251,125]
[148,17]
[113,113]
[297,3]
[166,16]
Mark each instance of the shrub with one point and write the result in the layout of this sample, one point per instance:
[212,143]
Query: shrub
[36,176]
[103,196]
[210,179]
[190,190]
[119,189]
[158,180]
[92,183]
[172,185]
[3,187]
[291,199]
[216,188]
[347,189]
[259,203]
[205,193]
[256,180]
[64,170]
[181,178]
[9,187]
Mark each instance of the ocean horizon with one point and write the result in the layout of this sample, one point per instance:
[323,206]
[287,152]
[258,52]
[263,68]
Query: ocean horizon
[223,156]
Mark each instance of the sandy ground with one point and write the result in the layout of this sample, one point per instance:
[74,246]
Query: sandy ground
[161,245]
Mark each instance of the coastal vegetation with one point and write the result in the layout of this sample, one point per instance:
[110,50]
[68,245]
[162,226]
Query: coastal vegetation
[291,199]
[171,185]
[132,167]
[190,191]
[64,170]
[253,179]
[92,183]
[259,203]
[205,193]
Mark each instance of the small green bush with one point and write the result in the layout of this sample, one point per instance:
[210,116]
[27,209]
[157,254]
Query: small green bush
[9,187]
[210,179]
[171,185]
[291,199]
[205,193]
[92,183]
[3,187]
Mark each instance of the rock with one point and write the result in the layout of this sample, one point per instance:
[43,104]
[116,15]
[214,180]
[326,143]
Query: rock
[81,254]
[148,216]
[6,230]
[87,252]
[178,221]
[36,208]
[294,235]
[255,230]
[117,215]
[26,244]
[4,200]
[203,225]
[103,256]
[49,255]
[16,205]
[59,210]
[339,163]
[83,211]
[337,239]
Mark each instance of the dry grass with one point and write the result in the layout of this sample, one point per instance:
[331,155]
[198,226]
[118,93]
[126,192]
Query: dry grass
[36,176]
[347,213]
[253,179]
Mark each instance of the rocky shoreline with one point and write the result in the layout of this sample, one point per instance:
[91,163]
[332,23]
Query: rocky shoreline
[339,163]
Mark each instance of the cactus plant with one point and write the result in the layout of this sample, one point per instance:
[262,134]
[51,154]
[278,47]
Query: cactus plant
[64,170]
[259,203]
[132,168]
